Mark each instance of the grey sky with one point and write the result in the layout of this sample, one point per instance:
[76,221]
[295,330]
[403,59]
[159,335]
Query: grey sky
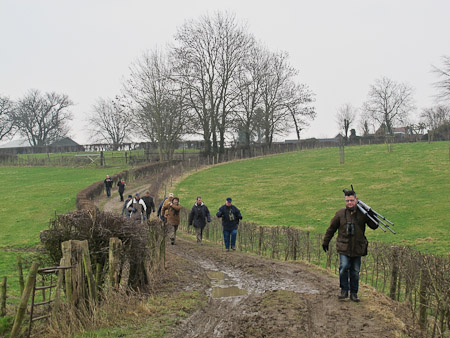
[84,48]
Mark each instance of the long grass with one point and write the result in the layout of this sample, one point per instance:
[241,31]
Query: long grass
[409,185]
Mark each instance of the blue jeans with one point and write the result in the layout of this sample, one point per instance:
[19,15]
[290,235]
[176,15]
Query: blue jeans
[349,268]
[226,238]
[108,191]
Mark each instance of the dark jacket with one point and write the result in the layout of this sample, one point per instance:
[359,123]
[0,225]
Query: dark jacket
[121,186]
[199,215]
[160,207]
[349,245]
[148,200]
[230,217]
[108,182]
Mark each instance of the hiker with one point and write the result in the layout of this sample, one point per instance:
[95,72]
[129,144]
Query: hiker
[121,185]
[108,185]
[230,220]
[125,211]
[163,203]
[198,217]
[171,210]
[137,207]
[351,243]
[148,200]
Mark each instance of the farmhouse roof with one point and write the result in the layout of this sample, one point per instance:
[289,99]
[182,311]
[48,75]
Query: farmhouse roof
[16,144]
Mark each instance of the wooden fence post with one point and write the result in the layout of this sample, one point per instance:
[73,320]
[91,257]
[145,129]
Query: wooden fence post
[24,300]
[3,298]
[394,273]
[423,300]
[20,269]
[115,245]
[88,270]
[66,248]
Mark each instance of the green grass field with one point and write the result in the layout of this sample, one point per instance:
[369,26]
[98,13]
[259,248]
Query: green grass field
[410,186]
[32,195]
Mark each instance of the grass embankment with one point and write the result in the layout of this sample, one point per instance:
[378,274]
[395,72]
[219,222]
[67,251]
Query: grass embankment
[32,196]
[410,186]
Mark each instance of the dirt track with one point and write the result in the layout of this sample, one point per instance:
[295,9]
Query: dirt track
[250,296]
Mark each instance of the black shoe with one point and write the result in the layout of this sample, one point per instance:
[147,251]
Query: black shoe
[172,241]
[354,297]
[343,294]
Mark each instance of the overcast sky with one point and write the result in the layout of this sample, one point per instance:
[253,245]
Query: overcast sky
[84,48]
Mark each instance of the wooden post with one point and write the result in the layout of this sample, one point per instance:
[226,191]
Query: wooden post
[66,248]
[88,270]
[260,240]
[394,273]
[115,246]
[24,300]
[20,269]
[101,158]
[342,154]
[423,301]
[58,288]
[3,299]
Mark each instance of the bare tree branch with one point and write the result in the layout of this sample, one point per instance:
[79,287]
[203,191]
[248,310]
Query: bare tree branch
[6,117]
[443,84]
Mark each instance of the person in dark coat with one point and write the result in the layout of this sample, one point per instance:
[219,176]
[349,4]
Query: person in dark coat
[230,220]
[121,185]
[148,200]
[108,185]
[198,217]
[351,243]
[125,210]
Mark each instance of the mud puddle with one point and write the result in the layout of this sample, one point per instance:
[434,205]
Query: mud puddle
[224,286]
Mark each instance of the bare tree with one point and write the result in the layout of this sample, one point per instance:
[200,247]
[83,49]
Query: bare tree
[435,117]
[42,119]
[443,85]
[301,112]
[159,109]
[208,55]
[6,117]
[389,102]
[283,101]
[249,81]
[111,121]
[345,117]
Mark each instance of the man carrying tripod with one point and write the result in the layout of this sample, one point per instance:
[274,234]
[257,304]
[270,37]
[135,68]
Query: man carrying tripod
[351,243]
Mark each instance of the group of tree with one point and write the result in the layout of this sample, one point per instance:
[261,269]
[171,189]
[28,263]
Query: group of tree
[41,118]
[215,80]
[391,104]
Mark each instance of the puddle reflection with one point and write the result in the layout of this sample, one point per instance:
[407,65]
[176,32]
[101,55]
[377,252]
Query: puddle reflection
[232,291]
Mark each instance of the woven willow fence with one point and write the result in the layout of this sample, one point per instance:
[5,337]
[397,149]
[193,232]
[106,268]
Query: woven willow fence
[403,273]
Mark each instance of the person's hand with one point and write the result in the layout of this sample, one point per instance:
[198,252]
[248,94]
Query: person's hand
[325,247]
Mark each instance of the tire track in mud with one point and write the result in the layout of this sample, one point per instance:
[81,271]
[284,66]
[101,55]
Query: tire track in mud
[283,298]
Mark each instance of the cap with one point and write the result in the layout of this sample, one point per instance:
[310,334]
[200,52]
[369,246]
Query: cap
[171,194]
[229,199]
[130,195]
[137,194]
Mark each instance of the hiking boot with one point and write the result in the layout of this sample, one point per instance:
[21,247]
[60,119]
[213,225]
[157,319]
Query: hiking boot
[227,250]
[233,248]
[343,294]
[172,241]
[354,297]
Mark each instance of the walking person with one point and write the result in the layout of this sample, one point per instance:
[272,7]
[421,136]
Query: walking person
[137,207]
[125,210]
[121,185]
[230,220]
[108,185]
[198,217]
[171,210]
[351,243]
[148,200]
[165,202]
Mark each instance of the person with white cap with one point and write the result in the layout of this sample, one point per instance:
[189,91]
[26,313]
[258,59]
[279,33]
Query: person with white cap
[230,220]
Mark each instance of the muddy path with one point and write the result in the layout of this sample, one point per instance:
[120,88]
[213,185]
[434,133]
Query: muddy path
[250,296]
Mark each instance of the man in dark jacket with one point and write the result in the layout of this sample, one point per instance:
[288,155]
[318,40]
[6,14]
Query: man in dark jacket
[121,185]
[148,200]
[230,220]
[351,243]
[198,217]
[108,185]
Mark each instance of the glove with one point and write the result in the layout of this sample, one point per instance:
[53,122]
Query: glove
[133,210]
[325,247]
